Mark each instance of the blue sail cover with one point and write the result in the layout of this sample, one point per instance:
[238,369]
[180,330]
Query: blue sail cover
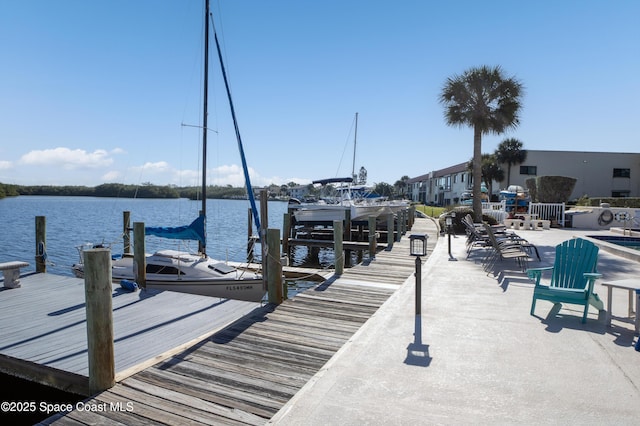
[195,231]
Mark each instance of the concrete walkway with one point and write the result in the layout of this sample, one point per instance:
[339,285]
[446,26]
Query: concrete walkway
[476,356]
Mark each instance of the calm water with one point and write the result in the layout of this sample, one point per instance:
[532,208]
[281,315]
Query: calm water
[73,221]
[629,242]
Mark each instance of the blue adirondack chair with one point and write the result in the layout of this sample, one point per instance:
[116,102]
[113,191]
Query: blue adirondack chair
[573,276]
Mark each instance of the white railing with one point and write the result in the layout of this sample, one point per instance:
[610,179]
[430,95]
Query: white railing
[495,210]
[544,211]
[548,211]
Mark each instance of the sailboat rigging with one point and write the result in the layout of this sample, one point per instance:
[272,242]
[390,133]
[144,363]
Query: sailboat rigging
[196,273]
[247,179]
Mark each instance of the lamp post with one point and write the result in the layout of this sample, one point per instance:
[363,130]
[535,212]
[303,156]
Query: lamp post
[418,248]
[449,222]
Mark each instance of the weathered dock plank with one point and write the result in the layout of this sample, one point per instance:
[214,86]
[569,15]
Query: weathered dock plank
[244,373]
[44,337]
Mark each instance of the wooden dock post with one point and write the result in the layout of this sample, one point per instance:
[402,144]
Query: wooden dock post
[338,253]
[126,232]
[389,231]
[139,258]
[286,234]
[373,241]
[98,289]
[412,216]
[405,220]
[274,268]
[347,225]
[399,218]
[264,224]
[41,244]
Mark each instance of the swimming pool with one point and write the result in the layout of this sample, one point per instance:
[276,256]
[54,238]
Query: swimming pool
[629,242]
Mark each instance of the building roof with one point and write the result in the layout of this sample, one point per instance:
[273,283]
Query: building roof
[462,167]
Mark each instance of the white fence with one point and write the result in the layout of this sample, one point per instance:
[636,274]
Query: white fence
[545,211]
[548,211]
[495,210]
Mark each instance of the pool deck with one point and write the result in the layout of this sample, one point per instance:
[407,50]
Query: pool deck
[477,355]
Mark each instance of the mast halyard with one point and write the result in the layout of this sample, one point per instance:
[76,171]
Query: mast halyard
[355,139]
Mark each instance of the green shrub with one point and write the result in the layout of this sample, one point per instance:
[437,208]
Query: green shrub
[457,225]
[553,189]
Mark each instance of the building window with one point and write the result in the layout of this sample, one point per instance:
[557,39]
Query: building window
[529,170]
[620,194]
[623,173]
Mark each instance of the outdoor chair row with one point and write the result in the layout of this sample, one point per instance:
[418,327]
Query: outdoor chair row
[572,276]
[498,243]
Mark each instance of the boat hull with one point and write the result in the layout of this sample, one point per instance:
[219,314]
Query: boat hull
[188,273]
[248,290]
[325,213]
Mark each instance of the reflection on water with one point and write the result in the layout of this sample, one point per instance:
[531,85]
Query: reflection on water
[322,258]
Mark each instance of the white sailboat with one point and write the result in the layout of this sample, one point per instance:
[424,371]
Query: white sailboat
[347,197]
[197,273]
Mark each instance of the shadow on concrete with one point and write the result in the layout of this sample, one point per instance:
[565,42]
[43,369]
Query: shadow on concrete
[417,352]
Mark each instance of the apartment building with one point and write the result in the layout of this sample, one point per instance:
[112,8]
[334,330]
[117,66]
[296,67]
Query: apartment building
[598,174]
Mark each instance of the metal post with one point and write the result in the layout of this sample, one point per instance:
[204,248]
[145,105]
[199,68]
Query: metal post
[418,285]
[449,222]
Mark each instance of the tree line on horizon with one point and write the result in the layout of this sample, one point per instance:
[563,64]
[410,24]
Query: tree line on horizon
[118,190]
[149,190]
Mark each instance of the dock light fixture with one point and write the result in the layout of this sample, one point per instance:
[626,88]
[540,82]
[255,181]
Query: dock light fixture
[418,244]
[418,248]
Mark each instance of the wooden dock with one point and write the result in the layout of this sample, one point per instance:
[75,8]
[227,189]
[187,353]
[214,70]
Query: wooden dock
[245,372]
[44,333]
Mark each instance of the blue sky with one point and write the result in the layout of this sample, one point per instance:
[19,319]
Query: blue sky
[97,91]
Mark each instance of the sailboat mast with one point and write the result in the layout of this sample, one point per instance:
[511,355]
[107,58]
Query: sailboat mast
[355,139]
[204,120]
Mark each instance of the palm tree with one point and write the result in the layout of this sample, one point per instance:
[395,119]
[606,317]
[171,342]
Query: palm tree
[510,151]
[401,185]
[482,98]
[490,171]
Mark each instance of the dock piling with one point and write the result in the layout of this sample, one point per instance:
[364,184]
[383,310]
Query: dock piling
[390,232]
[97,284]
[338,254]
[274,268]
[41,244]
[139,259]
[126,232]
[373,241]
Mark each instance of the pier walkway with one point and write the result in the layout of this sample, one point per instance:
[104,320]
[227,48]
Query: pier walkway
[248,371]
[476,355]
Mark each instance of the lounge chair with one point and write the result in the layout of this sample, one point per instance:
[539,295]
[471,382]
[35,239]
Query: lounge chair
[477,235]
[506,248]
[573,276]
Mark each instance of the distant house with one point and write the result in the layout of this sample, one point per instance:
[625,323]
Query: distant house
[299,191]
[598,174]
